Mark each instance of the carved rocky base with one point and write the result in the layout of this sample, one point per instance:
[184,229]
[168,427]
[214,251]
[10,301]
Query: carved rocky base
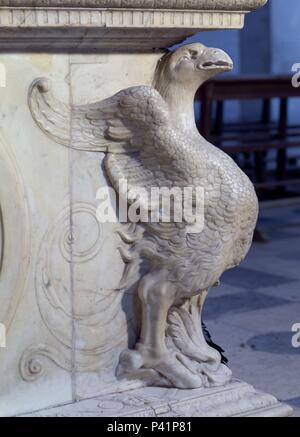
[237,399]
[189,362]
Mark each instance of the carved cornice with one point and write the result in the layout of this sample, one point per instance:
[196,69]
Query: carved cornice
[89,25]
[226,5]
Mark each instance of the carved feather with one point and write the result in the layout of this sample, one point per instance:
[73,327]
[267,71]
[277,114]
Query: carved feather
[124,125]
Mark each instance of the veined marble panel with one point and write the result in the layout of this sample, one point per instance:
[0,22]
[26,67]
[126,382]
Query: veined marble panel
[34,188]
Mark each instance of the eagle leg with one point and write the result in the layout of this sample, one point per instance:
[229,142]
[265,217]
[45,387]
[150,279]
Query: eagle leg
[151,358]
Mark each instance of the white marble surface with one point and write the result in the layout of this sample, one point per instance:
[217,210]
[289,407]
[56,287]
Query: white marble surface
[46,179]
[235,400]
[40,286]
[33,196]
[66,318]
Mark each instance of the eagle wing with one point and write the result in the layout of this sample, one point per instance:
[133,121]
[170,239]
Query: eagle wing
[133,127]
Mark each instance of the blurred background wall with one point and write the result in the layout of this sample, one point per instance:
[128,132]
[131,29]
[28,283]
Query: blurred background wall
[269,44]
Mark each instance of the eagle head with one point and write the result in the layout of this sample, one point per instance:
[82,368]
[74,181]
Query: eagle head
[191,65]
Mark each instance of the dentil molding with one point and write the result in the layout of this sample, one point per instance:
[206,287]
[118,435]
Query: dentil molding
[87,25]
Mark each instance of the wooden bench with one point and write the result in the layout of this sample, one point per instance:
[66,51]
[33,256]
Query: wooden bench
[253,138]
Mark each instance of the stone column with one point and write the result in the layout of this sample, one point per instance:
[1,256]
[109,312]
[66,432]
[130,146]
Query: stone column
[66,317]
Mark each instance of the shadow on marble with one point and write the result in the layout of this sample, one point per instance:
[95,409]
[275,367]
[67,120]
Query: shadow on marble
[217,307]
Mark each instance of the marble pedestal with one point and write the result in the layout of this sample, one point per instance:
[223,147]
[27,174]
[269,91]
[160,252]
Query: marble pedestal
[65,317]
[236,399]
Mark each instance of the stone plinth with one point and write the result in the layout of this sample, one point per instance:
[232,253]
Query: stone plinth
[113,24]
[237,399]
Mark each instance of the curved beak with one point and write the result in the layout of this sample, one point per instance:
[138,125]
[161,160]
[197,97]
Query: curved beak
[215,59]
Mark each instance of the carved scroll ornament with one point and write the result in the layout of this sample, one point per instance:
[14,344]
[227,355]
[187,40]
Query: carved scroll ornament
[77,317]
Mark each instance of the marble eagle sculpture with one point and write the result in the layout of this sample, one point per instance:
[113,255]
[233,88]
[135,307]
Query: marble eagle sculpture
[150,139]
